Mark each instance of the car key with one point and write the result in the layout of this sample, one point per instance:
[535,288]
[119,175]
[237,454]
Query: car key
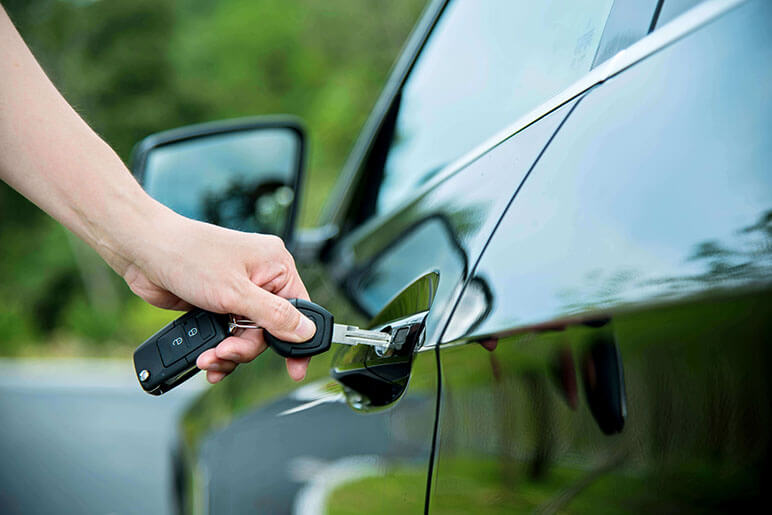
[168,358]
[327,333]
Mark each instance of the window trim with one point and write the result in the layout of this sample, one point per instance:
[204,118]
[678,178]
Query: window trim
[619,25]
[339,203]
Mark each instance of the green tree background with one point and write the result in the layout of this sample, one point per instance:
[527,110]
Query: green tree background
[136,67]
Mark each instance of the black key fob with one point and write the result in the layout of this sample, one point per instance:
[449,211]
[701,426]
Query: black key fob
[319,343]
[168,358]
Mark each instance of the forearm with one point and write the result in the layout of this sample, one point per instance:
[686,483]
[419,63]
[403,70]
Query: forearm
[51,156]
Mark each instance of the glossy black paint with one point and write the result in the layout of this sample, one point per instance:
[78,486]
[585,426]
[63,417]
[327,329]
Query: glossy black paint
[431,237]
[442,230]
[625,355]
[286,449]
[564,381]
[437,235]
[673,205]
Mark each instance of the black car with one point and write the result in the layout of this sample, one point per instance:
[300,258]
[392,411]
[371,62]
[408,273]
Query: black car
[564,210]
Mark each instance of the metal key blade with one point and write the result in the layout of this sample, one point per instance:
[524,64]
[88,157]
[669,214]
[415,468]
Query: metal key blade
[352,335]
[343,334]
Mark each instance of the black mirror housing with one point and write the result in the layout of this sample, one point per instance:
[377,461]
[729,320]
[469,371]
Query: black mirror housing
[244,174]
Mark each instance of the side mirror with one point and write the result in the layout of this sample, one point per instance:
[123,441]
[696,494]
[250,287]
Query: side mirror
[244,174]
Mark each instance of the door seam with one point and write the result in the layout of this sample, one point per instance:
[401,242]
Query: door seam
[433,452]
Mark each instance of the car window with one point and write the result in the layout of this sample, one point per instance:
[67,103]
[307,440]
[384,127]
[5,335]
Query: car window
[485,64]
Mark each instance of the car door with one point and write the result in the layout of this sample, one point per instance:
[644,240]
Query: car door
[619,358]
[451,139]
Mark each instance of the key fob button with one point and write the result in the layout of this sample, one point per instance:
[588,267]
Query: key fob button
[194,334]
[205,329]
[172,345]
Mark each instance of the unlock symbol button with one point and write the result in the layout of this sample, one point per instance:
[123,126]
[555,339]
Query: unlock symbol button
[196,333]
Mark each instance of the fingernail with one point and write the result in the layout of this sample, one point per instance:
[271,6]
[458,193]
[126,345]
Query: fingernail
[232,357]
[306,329]
[298,379]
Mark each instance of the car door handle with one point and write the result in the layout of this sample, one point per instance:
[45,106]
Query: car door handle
[373,378]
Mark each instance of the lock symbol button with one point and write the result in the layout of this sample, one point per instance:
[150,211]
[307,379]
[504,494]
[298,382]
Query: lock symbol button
[171,345]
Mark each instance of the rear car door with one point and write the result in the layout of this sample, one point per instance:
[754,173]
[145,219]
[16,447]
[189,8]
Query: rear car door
[612,349]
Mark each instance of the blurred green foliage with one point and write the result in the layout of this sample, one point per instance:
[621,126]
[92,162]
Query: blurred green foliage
[134,68]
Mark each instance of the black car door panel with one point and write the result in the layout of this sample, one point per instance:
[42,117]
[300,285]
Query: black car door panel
[443,230]
[622,359]
[399,264]
[383,269]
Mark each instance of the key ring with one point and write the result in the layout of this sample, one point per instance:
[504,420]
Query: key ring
[235,322]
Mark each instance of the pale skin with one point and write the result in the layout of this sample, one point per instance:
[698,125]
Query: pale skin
[51,156]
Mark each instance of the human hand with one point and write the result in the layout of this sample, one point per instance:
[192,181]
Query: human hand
[184,263]
[51,156]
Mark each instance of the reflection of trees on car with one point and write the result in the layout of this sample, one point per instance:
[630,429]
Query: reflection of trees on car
[744,258]
[748,260]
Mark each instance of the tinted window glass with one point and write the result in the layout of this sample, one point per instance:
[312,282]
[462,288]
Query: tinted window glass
[485,64]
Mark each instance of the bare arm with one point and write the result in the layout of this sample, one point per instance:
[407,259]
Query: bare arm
[51,156]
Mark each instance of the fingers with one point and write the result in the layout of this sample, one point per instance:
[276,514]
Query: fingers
[489,344]
[208,360]
[295,289]
[224,358]
[243,348]
[165,300]
[262,297]
[215,377]
[215,367]
[297,368]
[276,315]
[152,293]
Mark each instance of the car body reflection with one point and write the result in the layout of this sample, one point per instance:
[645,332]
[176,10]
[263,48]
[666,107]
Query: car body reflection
[625,359]
[674,413]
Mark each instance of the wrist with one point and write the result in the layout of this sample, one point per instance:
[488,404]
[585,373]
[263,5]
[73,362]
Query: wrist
[127,225]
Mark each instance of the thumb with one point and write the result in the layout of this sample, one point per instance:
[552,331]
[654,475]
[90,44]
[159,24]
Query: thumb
[277,316]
